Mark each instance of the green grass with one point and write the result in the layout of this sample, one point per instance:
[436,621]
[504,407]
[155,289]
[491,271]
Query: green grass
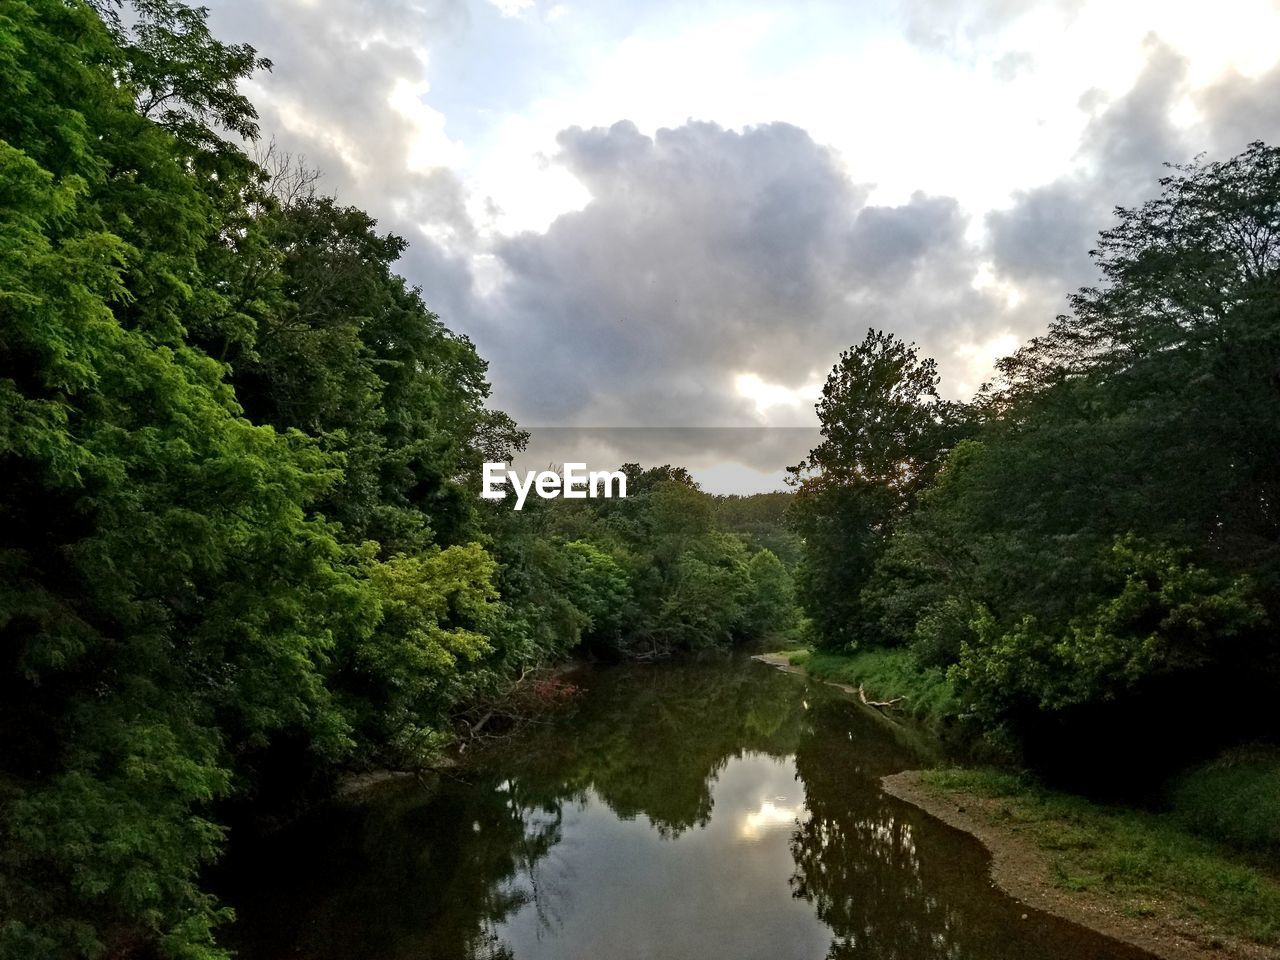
[1136,858]
[1235,799]
[885,674]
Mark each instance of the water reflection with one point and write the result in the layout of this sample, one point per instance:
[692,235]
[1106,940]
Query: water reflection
[704,811]
[770,816]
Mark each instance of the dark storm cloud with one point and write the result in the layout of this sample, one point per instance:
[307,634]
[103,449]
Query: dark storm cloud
[705,253]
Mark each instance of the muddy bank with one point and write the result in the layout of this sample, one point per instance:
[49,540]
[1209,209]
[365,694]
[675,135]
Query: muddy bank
[1025,871]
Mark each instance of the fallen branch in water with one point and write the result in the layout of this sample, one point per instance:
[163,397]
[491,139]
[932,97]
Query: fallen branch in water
[475,727]
[878,704]
[525,700]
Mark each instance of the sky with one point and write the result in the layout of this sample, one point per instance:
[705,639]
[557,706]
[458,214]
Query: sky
[676,214]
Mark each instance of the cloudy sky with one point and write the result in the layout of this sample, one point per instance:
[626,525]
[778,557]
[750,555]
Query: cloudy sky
[676,214]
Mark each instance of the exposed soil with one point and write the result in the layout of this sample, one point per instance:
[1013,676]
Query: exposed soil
[1025,872]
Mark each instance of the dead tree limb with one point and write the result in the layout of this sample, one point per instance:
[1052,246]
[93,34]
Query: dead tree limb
[878,704]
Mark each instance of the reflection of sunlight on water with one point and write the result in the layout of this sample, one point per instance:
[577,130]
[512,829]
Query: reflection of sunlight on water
[770,816]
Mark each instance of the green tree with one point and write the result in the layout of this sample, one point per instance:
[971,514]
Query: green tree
[1109,547]
[885,432]
[408,672]
[771,604]
[185,599]
[598,587]
[347,352]
[1162,617]
[167,602]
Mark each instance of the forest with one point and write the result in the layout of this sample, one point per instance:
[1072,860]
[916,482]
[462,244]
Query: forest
[242,551]
[240,532]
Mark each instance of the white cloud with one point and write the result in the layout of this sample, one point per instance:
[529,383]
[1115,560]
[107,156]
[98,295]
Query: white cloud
[512,8]
[766,396]
[939,169]
[428,144]
[978,361]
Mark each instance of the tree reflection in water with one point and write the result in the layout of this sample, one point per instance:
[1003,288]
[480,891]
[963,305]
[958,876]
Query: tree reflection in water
[692,810]
[856,856]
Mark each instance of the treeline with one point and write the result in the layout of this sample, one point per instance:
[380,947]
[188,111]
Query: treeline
[1091,548]
[241,543]
[666,569]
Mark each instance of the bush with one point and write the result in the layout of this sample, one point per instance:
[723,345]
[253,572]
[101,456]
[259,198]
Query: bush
[1234,799]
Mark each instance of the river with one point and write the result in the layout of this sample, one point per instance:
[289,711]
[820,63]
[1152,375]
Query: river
[686,811]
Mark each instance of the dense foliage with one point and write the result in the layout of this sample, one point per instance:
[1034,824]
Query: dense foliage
[662,570]
[885,432]
[240,540]
[1092,547]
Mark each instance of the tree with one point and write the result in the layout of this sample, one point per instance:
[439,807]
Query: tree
[771,602]
[168,603]
[881,419]
[1108,547]
[398,680]
[347,352]
[1172,366]
[885,432]
[598,587]
[189,596]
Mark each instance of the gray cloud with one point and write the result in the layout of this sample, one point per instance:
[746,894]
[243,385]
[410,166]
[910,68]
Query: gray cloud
[707,252]
[1239,110]
[724,458]
[947,24]
[1126,144]
[326,100]
[888,244]
[1042,241]
[1044,238]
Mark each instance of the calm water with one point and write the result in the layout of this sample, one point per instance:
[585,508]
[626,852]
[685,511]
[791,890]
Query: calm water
[697,811]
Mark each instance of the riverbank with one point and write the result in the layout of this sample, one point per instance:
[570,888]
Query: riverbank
[889,678]
[1128,874]
[1138,876]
